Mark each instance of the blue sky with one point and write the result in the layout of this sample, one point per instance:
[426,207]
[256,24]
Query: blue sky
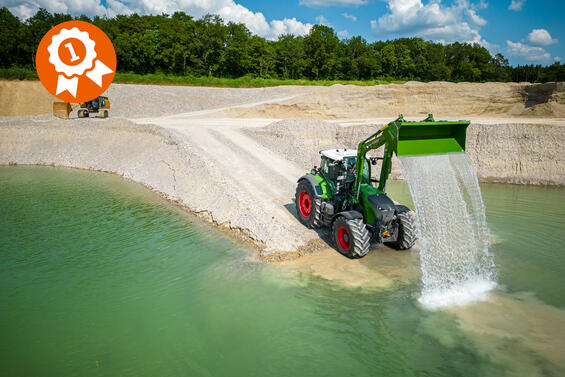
[524,31]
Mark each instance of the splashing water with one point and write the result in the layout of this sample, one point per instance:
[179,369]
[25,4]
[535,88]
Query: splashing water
[454,238]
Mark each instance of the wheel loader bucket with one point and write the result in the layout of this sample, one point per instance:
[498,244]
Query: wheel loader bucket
[61,109]
[430,137]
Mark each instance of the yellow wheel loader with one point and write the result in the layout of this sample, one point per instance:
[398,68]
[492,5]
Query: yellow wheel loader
[99,105]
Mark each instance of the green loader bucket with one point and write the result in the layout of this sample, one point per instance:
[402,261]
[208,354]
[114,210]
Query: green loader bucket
[431,137]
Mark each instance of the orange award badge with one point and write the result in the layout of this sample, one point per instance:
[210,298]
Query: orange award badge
[75,61]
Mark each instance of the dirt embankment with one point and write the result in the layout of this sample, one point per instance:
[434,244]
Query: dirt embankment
[516,100]
[21,98]
[506,153]
[443,99]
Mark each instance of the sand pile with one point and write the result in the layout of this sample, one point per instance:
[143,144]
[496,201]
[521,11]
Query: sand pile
[337,101]
[440,98]
[19,98]
[24,98]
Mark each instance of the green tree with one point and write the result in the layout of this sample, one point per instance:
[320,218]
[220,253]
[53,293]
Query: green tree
[211,34]
[357,63]
[14,41]
[321,49]
[290,58]
[235,58]
[260,57]
[178,44]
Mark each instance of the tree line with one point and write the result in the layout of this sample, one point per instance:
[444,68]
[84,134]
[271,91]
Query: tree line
[182,45]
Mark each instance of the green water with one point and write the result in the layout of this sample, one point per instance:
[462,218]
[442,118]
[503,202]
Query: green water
[100,277]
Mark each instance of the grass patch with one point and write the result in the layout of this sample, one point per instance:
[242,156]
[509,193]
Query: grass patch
[18,74]
[241,82]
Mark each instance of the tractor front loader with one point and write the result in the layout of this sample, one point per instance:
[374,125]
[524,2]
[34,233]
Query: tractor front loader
[342,195]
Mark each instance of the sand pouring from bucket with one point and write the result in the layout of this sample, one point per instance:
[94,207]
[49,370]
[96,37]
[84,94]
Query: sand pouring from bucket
[451,224]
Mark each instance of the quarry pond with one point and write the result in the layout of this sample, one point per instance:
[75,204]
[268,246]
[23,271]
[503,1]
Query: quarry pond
[101,276]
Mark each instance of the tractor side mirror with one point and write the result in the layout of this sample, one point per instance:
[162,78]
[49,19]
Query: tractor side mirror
[375,159]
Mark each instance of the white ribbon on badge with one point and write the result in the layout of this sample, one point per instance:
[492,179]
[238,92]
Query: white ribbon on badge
[95,75]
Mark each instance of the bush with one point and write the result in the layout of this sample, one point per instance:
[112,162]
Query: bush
[15,73]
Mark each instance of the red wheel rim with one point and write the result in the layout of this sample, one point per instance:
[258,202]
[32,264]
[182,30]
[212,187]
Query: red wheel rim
[305,203]
[343,238]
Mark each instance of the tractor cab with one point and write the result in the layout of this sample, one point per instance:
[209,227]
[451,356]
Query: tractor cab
[338,166]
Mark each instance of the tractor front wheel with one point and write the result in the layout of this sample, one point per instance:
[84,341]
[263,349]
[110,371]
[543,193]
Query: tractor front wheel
[351,237]
[406,231]
[308,206]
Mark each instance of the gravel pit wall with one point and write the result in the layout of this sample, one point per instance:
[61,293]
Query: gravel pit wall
[501,153]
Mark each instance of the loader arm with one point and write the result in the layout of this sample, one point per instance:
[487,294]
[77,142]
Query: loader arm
[387,136]
[410,139]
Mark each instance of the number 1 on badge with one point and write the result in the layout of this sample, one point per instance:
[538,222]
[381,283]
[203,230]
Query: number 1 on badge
[69,46]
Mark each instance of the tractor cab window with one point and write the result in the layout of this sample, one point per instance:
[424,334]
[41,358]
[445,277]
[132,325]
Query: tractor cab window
[367,172]
[330,168]
[351,161]
[324,166]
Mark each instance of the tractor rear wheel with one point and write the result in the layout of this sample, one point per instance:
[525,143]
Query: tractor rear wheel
[308,206]
[351,237]
[406,231]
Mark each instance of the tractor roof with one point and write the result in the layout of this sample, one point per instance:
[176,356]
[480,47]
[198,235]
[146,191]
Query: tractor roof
[339,154]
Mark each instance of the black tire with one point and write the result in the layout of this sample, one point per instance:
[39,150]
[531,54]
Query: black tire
[351,237]
[105,114]
[406,231]
[308,205]
[85,113]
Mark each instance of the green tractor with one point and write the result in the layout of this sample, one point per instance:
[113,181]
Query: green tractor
[342,195]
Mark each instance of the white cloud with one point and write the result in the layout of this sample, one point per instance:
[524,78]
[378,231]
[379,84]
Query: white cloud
[332,3]
[343,34]
[476,19]
[26,9]
[482,4]
[22,11]
[321,20]
[350,16]
[229,10]
[458,22]
[540,37]
[517,5]
[558,58]
[530,53]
